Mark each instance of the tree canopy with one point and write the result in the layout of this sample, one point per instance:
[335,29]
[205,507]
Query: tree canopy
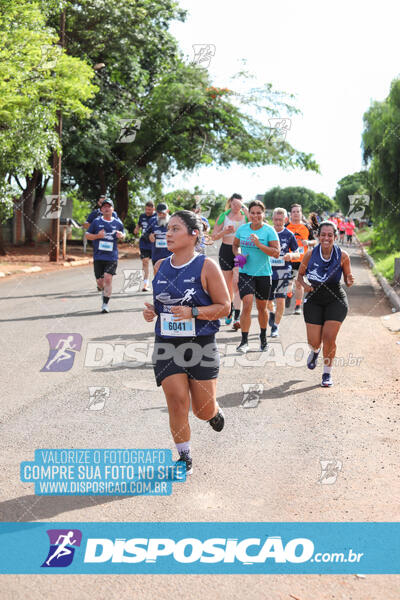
[309,200]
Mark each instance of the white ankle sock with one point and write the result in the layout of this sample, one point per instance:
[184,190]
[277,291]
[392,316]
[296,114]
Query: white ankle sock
[183,448]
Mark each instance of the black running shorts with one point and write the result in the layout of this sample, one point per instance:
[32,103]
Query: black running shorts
[144,253]
[198,358]
[327,303]
[226,257]
[104,266]
[259,286]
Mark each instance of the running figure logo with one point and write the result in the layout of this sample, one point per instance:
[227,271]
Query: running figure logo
[98,397]
[203,54]
[206,203]
[279,128]
[52,210]
[357,205]
[251,394]
[329,471]
[129,129]
[62,351]
[62,542]
[133,279]
[166,299]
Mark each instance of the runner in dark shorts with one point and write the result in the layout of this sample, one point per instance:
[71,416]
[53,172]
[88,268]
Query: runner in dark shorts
[190,295]
[325,305]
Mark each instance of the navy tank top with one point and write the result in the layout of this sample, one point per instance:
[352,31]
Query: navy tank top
[324,271]
[181,285]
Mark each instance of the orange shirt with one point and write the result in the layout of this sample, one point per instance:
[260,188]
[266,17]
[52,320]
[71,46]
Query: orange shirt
[301,232]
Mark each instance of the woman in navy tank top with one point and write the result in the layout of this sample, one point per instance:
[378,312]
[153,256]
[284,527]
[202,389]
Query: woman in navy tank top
[189,297]
[325,306]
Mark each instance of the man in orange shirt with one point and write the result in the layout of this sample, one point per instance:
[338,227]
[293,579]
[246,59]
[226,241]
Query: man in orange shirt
[305,239]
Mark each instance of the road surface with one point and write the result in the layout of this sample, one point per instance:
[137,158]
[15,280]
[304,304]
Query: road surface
[264,466]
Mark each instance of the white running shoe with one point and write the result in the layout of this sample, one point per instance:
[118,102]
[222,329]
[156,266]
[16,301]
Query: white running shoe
[105,308]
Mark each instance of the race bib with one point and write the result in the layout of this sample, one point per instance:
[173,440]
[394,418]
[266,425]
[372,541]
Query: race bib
[106,246]
[161,243]
[277,262]
[168,326]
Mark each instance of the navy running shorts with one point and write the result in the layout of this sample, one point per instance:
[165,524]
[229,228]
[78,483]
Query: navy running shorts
[198,358]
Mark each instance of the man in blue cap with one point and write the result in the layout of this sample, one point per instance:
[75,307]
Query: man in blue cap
[104,231]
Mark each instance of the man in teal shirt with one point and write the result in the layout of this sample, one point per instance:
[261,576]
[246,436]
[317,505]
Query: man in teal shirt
[258,242]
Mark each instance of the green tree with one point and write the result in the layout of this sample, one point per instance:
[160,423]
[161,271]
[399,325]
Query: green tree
[36,81]
[356,183]
[309,200]
[185,122]
[381,146]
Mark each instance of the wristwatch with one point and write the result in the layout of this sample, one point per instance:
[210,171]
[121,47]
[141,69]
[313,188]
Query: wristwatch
[195,311]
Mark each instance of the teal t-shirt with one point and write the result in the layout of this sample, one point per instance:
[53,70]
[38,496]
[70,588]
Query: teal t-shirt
[258,263]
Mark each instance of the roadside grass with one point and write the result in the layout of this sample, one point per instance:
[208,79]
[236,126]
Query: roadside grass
[384,262]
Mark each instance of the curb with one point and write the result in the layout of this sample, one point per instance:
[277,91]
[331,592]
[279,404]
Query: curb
[388,290]
[72,263]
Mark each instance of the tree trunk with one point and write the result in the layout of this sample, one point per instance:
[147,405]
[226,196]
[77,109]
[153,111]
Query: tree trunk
[122,197]
[41,184]
[27,204]
[2,249]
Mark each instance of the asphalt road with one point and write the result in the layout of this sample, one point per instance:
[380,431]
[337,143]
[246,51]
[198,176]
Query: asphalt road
[264,466]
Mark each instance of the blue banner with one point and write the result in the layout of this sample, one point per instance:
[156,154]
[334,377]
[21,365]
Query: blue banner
[223,548]
[102,472]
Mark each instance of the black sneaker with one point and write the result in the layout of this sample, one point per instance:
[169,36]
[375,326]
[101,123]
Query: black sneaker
[297,310]
[218,422]
[187,461]
[263,344]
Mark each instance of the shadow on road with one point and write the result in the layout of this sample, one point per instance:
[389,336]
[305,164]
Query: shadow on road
[68,315]
[35,508]
[235,400]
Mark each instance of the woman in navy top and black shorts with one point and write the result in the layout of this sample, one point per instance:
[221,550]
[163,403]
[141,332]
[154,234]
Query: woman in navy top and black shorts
[325,306]
[190,295]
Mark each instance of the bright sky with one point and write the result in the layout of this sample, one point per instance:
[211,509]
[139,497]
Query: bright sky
[335,57]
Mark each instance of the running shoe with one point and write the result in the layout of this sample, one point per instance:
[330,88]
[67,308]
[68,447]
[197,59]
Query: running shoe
[326,380]
[242,348]
[263,345]
[228,320]
[218,422]
[297,310]
[236,325]
[275,331]
[145,288]
[271,319]
[288,300]
[105,308]
[187,461]
[312,359]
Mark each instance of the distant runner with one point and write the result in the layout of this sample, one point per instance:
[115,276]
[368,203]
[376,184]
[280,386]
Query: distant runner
[157,233]
[105,231]
[281,269]
[349,228]
[144,242]
[235,215]
[305,238]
